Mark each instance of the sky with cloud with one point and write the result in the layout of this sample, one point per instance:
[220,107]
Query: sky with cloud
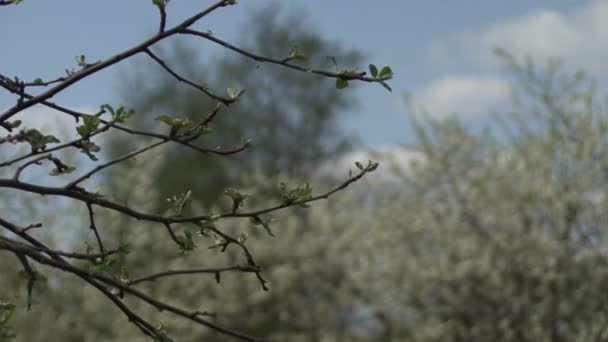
[440,52]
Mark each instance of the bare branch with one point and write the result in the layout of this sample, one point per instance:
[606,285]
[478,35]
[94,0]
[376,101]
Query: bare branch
[72,255]
[8,2]
[113,162]
[93,227]
[29,163]
[163,18]
[31,277]
[172,234]
[87,197]
[203,89]
[258,58]
[229,239]
[86,72]
[153,277]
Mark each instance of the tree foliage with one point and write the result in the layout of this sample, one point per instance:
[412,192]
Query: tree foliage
[497,236]
[105,264]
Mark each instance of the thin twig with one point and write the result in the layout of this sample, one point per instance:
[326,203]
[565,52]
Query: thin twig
[153,277]
[163,18]
[112,162]
[229,239]
[45,83]
[29,163]
[203,89]
[71,255]
[93,227]
[31,277]
[172,234]
[31,226]
[258,58]
[80,194]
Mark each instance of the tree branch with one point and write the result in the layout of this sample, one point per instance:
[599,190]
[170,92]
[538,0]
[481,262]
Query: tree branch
[258,58]
[86,72]
[204,90]
[155,276]
[87,197]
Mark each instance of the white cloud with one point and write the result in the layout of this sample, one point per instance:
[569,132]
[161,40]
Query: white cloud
[464,95]
[578,37]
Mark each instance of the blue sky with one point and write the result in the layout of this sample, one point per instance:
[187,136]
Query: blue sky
[440,51]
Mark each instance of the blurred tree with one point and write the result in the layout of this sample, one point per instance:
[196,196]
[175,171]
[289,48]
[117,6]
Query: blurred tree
[498,237]
[291,119]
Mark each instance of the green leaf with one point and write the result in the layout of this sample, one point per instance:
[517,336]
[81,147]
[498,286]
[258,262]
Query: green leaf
[122,114]
[90,123]
[294,55]
[386,86]
[333,60]
[108,108]
[57,171]
[359,166]
[294,52]
[300,193]
[204,130]
[257,221]
[237,198]
[81,60]
[82,131]
[385,72]
[300,58]
[231,92]
[123,247]
[373,70]
[38,81]
[166,119]
[37,140]
[372,167]
[6,312]
[15,123]
[88,148]
[124,273]
[186,242]
[341,83]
